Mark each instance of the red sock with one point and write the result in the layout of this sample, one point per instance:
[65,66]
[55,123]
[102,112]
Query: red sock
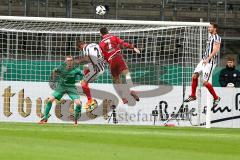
[194,86]
[86,90]
[211,90]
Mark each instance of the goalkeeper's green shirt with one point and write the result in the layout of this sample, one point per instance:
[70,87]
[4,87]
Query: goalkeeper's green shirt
[68,77]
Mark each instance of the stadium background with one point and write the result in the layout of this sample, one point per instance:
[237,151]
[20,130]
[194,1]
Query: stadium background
[30,56]
[225,12]
[62,141]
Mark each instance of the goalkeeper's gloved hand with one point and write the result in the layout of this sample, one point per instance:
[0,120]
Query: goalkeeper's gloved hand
[52,85]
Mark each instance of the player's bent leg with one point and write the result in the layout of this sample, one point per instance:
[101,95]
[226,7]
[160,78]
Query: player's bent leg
[47,110]
[210,89]
[216,99]
[130,84]
[89,77]
[119,88]
[86,90]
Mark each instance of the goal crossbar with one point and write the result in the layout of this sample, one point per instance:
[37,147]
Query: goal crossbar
[103,21]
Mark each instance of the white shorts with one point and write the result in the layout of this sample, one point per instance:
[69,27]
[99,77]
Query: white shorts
[205,70]
[93,72]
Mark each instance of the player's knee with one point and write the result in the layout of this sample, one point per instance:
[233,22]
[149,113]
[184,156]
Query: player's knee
[126,71]
[78,102]
[116,80]
[205,83]
[51,99]
[195,76]
[128,76]
[83,83]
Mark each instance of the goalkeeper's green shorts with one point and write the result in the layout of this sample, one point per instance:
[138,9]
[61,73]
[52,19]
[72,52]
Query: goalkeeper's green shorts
[70,90]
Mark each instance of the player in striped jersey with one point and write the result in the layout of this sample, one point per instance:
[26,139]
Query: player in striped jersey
[207,64]
[93,69]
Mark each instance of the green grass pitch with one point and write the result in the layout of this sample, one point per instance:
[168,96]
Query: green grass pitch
[113,142]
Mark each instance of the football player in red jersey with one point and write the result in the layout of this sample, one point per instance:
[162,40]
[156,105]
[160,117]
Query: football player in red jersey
[111,49]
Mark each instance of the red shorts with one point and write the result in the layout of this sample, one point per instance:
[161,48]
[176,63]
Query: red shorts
[117,65]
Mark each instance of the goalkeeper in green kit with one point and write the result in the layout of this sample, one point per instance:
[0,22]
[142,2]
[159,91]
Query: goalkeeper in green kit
[67,73]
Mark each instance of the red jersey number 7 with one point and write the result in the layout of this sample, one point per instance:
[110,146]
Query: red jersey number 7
[108,42]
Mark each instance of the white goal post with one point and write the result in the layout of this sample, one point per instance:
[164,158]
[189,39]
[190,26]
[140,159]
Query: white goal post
[30,47]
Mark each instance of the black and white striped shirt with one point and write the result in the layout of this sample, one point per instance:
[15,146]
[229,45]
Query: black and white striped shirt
[212,39]
[94,53]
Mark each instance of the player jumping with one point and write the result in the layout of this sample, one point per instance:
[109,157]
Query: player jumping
[111,48]
[67,73]
[207,64]
[93,69]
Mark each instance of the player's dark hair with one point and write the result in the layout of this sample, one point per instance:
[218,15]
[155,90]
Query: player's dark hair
[214,25]
[104,30]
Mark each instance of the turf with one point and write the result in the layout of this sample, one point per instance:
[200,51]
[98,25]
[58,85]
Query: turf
[108,142]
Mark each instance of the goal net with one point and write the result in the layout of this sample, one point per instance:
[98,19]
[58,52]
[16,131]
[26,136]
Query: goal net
[31,47]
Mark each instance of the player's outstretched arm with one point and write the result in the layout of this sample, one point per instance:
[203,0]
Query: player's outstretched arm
[127,45]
